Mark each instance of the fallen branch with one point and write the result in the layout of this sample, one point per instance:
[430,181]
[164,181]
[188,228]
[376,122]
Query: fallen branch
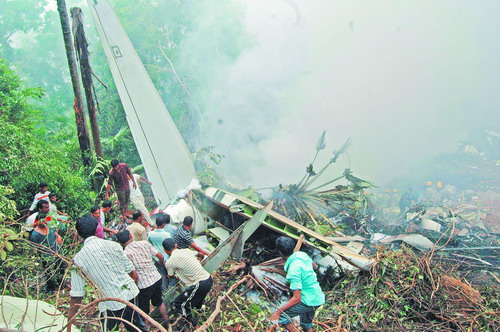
[217,311]
[131,305]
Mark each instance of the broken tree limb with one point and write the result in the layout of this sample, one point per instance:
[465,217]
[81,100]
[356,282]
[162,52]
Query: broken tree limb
[299,243]
[474,248]
[131,305]
[217,311]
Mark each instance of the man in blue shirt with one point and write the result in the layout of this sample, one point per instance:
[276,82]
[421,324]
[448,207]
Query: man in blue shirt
[307,294]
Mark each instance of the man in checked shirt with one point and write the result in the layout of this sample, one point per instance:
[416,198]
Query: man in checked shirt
[149,280]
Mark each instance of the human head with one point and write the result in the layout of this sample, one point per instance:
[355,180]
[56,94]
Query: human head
[106,206]
[124,236]
[169,245]
[96,211]
[43,187]
[137,216]
[162,220]
[188,222]
[285,246]
[114,163]
[86,226]
[52,197]
[40,219]
[43,206]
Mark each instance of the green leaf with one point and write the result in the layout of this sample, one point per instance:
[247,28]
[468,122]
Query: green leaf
[9,246]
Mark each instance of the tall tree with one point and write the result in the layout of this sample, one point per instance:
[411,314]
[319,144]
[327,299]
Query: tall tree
[82,53]
[81,124]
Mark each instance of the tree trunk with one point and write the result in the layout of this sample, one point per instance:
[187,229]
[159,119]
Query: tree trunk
[81,124]
[82,54]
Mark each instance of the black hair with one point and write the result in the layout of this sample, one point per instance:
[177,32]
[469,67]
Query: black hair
[285,245]
[168,244]
[114,162]
[188,221]
[163,219]
[123,236]
[42,184]
[94,208]
[52,195]
[137,214]
[41,203]
[86,226]
[107,204]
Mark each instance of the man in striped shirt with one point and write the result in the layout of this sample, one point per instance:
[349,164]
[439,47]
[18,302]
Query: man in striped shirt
[183,237]
[149,281]
[112,273]
[185,266]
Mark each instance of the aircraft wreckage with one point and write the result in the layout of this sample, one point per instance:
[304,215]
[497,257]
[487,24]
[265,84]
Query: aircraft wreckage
[168,162]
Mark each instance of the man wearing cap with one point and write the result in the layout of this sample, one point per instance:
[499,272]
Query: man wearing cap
[185,266]
[307,294]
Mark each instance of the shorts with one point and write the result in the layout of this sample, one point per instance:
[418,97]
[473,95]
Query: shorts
[123,197]
[151,294]
[306,315]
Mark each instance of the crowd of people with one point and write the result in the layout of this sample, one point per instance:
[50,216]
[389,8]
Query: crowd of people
[135,260]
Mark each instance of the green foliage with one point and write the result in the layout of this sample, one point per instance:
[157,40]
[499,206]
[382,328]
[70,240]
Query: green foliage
[403,291]
[206,163]
[8,208]
[27,157]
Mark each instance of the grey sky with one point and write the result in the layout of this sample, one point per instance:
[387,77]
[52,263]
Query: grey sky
[406,80]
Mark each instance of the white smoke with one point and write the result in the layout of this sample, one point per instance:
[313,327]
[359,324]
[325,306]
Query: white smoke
[398,77]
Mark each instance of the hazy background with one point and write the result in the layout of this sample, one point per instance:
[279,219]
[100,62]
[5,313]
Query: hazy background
[406,80]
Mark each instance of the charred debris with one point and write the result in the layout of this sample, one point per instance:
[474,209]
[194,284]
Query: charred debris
[430,264]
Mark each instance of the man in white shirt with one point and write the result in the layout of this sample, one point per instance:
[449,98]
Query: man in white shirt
[137,198]
[111,271]
[43,194]
[43,207]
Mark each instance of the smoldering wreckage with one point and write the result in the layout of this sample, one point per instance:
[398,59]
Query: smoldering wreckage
[430,267]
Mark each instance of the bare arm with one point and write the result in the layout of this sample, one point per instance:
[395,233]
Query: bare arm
[61,213]
[161,259]
[198,249]
[106,196]
[110,230]
[73,309]
[131,176]
[296,298]
[143,179]
[134,276]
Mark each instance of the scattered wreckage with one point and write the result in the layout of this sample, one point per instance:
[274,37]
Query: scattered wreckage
[233,219]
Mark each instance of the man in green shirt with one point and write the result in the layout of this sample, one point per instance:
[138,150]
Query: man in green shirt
[307,294]
[156,237]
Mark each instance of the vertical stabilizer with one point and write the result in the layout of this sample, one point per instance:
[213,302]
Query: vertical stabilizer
[163,152]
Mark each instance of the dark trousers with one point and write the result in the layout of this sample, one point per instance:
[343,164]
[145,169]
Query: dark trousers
[127,314]
[150,295]
[164,278]
[192,297]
